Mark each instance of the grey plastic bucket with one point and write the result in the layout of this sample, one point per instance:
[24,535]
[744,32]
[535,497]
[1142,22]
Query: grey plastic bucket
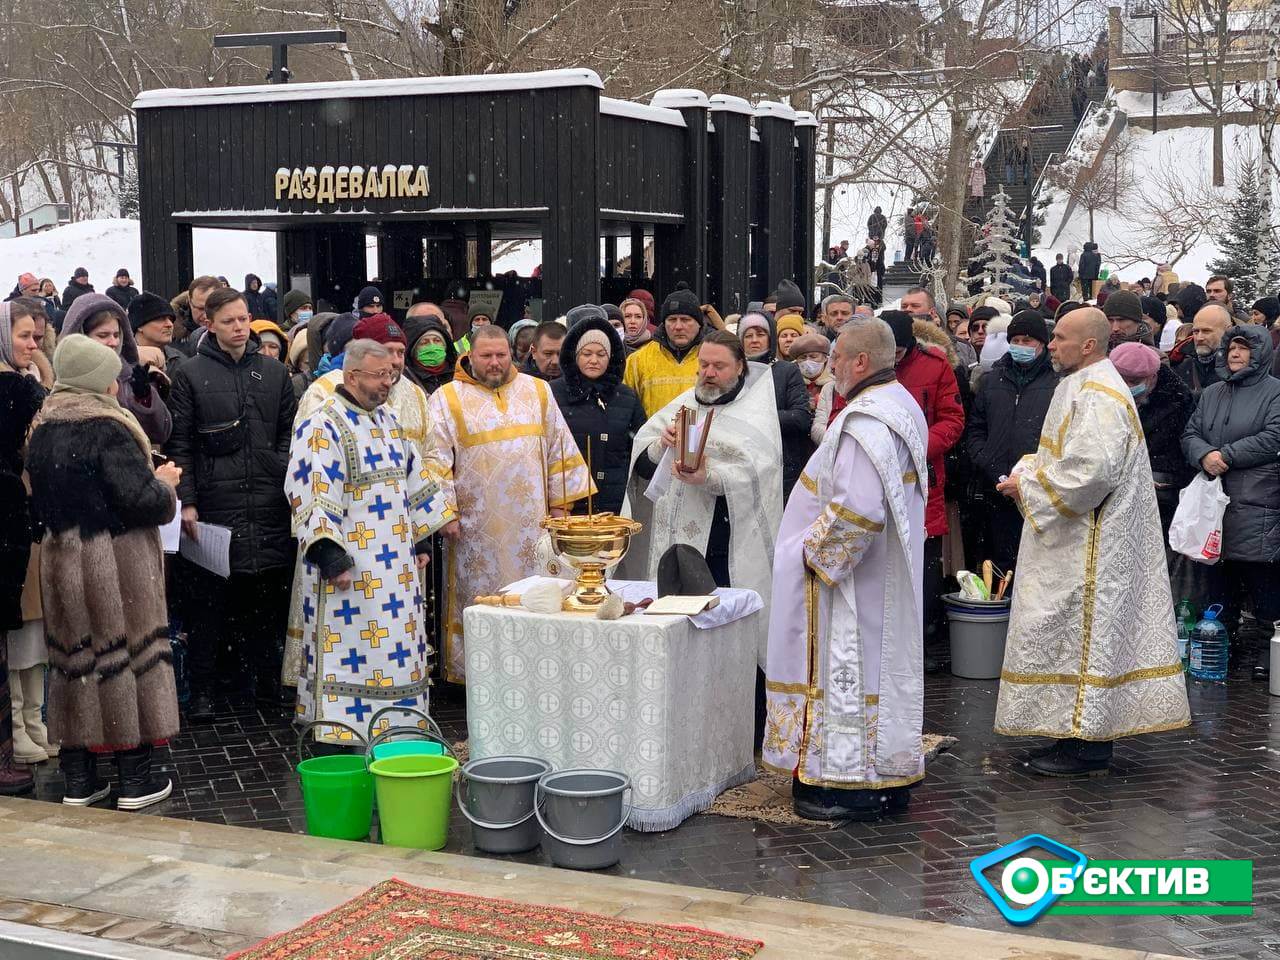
[497,795]
[978,631]
[581,814]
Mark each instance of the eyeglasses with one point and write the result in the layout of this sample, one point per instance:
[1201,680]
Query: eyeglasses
[375,374]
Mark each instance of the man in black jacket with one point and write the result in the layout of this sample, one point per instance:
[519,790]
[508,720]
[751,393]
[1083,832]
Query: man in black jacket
[77,286]
[1005,423]
[1060,277]
[877,223]
[233,412]
[1198,368]
[1089,267]
[122,290]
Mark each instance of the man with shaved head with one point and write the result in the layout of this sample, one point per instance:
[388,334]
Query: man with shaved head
[1091,654]
[1207,327]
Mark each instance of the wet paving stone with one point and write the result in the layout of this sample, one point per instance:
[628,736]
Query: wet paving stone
[1211,791]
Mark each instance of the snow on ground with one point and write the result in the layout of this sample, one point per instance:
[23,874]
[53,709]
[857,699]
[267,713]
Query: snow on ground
[1121,235]
[104,246]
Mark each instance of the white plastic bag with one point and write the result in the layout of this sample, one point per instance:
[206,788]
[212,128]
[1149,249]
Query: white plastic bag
[1196,530]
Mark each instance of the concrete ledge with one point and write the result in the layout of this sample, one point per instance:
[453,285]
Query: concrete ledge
[232,886]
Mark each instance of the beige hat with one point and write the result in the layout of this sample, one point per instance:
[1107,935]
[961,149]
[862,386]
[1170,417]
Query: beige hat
[83,365]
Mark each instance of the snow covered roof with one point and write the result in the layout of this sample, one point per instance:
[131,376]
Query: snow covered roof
[640,111]
[732,104]
[771,108]
[675,99]
[410,86]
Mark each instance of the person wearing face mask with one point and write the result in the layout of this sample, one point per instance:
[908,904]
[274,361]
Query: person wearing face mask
[298,309]
[431,358]
[1005,421]
[810,354]
[1164,405]
[602,412]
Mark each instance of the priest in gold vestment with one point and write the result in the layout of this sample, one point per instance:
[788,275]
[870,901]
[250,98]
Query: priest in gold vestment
[1091,654]
[507,459]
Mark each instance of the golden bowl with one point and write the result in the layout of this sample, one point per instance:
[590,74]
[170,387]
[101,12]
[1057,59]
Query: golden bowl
[590,543]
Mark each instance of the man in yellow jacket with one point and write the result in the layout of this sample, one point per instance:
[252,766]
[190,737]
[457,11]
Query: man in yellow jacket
[667,365]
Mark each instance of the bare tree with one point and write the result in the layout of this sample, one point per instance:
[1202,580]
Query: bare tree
[1099,183]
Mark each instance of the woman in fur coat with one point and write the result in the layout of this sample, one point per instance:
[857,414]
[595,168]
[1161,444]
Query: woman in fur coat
[100,503]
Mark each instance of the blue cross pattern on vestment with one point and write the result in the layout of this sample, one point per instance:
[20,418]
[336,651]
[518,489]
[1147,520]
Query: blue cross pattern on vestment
[386,555]
[394,453]
[422,648]
[311,657]
[399,655]
[302,428]
[347,612]
[334,472]
[394,606]
[380,507]
[303,472]
[354,660]
[417,598]
[308,609]
[353,417]
[372,457]
[358,709]
[406,702]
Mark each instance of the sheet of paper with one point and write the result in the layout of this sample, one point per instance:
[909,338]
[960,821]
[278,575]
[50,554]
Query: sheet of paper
[211,551]
[171,532]
[689,606]
[662,475]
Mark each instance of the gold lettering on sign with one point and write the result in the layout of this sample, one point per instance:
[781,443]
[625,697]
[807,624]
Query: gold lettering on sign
[330,185]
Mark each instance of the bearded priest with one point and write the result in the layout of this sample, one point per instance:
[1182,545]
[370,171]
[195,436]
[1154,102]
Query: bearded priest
[845,674]
[1092,652]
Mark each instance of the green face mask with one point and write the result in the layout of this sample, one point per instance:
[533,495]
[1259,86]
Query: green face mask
[430,354]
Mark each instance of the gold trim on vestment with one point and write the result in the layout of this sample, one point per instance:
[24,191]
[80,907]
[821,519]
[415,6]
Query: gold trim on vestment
[809,483]
[872,699]
[1054,498]
[823,577]
[811,639]
[1093,679]
[844,513]
[910,477]
[801,689]
[1122,399]
[1077,735]
[1056,448]
[1086,616]
[860,784]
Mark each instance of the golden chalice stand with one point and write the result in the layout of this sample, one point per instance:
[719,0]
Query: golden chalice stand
[590,544]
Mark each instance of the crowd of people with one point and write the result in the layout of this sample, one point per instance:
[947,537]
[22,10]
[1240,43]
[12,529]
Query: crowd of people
[377,474]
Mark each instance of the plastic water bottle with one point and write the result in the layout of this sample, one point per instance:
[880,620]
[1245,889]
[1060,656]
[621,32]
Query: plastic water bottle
[1209,647]
[1186,616]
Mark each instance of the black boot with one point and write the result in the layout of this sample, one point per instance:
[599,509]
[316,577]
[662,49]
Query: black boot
[1046,751]
[138,788]
[1262,662]
[200,709]
[1076,758]
[895,799]
[80,769]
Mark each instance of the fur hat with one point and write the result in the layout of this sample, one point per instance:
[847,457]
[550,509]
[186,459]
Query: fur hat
[83,365]
[899,322]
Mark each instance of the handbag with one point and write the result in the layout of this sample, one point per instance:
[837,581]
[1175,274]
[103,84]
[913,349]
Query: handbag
[223,439]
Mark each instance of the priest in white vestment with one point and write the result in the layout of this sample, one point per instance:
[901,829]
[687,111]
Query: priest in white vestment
[407,401]
[730,508]
[507,460]
[845,675]
[1092,653]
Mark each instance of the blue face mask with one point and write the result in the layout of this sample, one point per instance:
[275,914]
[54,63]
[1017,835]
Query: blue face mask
[1138,389]
[1021,354]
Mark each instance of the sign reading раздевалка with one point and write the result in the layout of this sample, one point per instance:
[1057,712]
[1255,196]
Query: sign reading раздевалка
[338,184]
[1070,883]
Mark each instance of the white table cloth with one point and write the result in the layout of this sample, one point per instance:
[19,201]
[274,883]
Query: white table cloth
[671,705]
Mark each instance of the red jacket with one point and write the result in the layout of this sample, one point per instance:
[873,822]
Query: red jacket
[929,378]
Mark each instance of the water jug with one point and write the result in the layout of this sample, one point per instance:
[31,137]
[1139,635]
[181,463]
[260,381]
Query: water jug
[1209,647]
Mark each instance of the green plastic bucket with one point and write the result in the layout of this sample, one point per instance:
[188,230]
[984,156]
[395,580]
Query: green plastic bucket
[414,795]
[337,792]
[407,748]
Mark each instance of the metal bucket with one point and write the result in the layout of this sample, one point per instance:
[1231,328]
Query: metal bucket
[581,814]
[497,795]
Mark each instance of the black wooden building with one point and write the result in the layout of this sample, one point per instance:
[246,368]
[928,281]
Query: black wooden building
[438,168]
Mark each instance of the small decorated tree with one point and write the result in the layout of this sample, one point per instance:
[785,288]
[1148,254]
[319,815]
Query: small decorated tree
[997,246]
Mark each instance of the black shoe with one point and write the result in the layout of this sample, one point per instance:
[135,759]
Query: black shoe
[829,803]
[200,708]
[936,664]
[1046,751]
[895,799]
[1075,758]
[80,768]
[13,780]
[138,788]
